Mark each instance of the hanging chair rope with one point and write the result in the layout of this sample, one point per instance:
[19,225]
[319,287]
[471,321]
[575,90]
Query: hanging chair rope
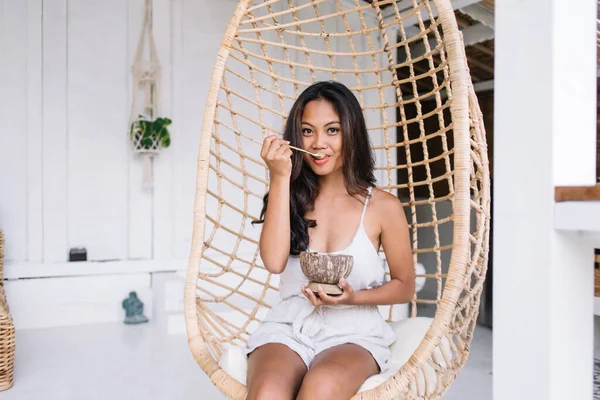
[406,63]
[145,78]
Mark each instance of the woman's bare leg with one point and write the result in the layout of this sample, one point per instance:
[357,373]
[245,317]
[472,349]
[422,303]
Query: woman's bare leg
[338,373]
[275,372]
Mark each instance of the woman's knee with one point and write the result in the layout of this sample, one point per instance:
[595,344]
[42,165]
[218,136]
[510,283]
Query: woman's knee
[274,372]
[323,383]
[270,389]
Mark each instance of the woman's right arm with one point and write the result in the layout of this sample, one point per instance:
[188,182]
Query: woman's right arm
[275,236]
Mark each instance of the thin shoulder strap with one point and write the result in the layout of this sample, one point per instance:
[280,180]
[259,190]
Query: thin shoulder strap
[364,211]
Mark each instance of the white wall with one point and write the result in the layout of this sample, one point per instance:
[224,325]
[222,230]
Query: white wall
[67,175]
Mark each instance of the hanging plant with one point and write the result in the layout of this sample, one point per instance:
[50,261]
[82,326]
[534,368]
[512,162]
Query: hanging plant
[150,136]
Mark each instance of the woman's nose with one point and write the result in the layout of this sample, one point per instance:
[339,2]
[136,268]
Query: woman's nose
[320,141]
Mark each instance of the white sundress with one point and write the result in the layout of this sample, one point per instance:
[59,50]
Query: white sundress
[309,330]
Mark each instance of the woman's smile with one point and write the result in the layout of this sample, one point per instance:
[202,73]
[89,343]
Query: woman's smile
[320,161]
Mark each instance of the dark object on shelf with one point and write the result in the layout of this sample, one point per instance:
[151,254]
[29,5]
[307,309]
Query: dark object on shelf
[134,310]
[78,254]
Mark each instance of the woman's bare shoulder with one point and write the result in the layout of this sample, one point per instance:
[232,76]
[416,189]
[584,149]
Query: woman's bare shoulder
[382,199]
[386,205]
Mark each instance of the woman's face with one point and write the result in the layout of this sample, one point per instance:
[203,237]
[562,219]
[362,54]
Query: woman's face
[322,133]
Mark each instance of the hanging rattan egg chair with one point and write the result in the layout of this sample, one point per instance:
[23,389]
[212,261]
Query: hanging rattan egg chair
[405,62]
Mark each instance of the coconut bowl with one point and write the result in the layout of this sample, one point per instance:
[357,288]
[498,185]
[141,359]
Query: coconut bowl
[326,270]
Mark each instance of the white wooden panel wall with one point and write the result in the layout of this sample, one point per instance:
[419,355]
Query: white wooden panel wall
[13,114]
[67,174]
[139,228]
[161,210]
[97,111]
[34,132]
[200,30]
[54,143]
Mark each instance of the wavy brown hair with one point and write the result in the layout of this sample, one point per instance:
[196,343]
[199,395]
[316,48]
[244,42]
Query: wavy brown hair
[358,162]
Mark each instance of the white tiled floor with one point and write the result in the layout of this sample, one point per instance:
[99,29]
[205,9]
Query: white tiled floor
[119,362]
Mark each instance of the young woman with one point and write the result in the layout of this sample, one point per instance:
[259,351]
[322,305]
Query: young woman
[325,347]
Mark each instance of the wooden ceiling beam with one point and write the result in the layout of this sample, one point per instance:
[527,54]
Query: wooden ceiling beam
[405,7]
[478,64]
[472,35]
[480,13]
[484,49]
[477,33]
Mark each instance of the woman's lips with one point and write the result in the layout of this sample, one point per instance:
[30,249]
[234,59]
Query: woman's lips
[321,161]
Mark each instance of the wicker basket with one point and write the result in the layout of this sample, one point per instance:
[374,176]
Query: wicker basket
[7,331]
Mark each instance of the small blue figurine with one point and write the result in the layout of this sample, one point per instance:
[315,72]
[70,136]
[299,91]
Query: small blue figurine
[134,310]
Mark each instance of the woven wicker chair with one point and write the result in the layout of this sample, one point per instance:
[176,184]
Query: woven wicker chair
[7,331]
[405,62]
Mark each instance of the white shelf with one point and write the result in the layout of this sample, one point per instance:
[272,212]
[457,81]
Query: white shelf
[26,270]
[583,216]
[596,305]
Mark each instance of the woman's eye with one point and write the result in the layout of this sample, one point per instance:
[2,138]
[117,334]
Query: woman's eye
[333,131]
[307,131]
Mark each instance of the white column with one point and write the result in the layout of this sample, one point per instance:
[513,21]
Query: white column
[574,44]
[543,278]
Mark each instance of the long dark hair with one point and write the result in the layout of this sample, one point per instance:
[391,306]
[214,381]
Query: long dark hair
[357,156]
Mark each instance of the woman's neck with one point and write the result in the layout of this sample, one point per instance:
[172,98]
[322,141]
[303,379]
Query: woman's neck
[332,184]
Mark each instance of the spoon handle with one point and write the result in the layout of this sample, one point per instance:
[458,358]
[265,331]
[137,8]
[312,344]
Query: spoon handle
[305,151]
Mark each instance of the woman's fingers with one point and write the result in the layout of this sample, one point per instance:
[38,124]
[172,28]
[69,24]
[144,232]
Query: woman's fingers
[283,152]
[267,144]
[311,296]
[277,156]
[275,147]
[325,297]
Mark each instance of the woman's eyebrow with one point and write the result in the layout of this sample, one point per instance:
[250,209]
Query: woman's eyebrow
[329,123]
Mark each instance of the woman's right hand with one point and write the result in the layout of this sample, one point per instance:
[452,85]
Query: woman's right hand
[277,155]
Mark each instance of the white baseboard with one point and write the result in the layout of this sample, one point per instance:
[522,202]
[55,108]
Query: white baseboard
[68,301]
[176,324]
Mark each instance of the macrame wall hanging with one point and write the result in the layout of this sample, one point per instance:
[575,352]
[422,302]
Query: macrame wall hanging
[148,131]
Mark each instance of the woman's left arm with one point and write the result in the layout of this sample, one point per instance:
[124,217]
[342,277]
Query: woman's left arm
[395,240]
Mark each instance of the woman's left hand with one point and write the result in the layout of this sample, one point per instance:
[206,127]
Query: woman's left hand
[324,299]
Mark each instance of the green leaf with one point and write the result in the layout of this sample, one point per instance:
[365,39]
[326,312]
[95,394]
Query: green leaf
[147,143]
[157,125]
[149,131]
[162,133]
[143,125]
